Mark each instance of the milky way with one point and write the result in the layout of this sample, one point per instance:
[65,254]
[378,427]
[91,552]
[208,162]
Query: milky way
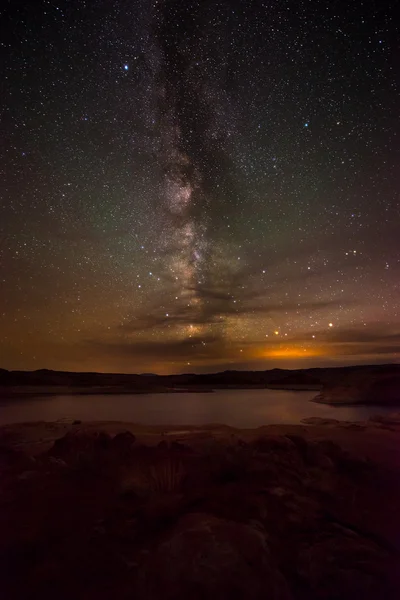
[194,134]
[199,185]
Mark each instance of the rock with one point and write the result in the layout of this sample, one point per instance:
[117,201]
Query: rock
[323,454]
[81,448]
[179,447]
[161,510]
[392,419]
[268,443]
[300,443]
[344,565]
[276,505]
[379,389]
[77,422]
[25,475]
[57,462]
[318,459]
[207,557]
[340,394]
[301,510]
[279,459]
[230,465]
[10,458]
[352,425]
[319,421]
[330,449]
[174,446]
[123,444]
[384,390]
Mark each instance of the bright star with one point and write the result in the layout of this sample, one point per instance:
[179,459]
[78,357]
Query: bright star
[126,67]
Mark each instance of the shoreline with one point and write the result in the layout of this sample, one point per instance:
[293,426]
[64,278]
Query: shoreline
[20,392]
[32,392]
[376,385]
[377,438]
[98,391]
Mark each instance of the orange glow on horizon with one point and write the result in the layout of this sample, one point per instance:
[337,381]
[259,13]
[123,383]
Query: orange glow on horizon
[292,352]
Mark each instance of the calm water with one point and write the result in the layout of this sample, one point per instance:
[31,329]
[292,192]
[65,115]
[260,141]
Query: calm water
[238,408]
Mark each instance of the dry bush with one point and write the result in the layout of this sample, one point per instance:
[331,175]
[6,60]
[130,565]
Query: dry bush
[162,476]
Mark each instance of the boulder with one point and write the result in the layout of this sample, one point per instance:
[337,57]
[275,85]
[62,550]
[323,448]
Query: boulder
[207,557]
[11,458]
[123,444]
[273,443]
[81,448]
[344,565]
[27,475]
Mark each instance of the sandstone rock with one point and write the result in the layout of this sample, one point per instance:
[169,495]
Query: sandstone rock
[10,458]
[340,394]
[178,447]
[319,459]
[268,443]
[300,444]
[263,508]
[352,426]
[161,510]
[330,449]
[26,475]
[123,444]
[278,454]
[344,565]
[319,421]
[392,419]
[81,448]
[382,389]
[206,557]
[57,462]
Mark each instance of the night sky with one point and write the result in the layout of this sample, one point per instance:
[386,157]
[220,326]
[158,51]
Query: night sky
[199,185]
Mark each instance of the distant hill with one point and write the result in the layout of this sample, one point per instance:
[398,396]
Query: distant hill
[324,377]
[299,378]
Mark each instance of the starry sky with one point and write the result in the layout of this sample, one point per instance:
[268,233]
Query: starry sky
[197,185]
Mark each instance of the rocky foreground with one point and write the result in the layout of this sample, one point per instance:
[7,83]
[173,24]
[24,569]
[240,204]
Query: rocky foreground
[278,513]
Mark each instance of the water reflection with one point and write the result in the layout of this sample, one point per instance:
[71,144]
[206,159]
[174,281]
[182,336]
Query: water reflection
[238,408]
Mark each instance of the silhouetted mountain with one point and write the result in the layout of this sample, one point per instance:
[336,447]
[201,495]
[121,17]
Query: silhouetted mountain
[326,378]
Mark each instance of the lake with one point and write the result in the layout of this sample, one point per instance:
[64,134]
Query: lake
[238,408]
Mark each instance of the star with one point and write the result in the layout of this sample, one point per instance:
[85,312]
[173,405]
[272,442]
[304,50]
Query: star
[168,147]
